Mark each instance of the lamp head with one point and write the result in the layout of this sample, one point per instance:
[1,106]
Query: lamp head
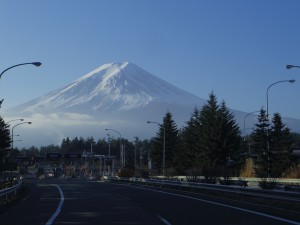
[289,66]
[292,81]
[36,63]
[29,122]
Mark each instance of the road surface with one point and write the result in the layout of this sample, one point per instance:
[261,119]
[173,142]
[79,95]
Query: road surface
[78,201]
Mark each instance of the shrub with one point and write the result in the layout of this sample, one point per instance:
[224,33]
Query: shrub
[293,172]
[125,173]
[248,170]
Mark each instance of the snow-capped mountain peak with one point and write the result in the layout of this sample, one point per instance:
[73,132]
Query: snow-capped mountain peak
[112,87]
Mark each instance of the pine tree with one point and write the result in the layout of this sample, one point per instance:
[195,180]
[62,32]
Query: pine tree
[281,142]
[156,152]
[230,138]
[169,129]
[209,133]
[212,137]
[260,147]
[190,137]
[65,145]
[5,139]
[180,159]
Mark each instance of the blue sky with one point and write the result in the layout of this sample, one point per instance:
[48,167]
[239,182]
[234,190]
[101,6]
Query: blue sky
[234,48]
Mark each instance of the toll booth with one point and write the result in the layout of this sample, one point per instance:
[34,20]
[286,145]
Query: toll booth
[72,164]
[53,160]
[98,165]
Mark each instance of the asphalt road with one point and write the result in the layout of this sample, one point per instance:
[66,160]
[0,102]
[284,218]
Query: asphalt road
[76,201]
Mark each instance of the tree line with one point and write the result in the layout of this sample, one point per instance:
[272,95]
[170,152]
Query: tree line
[211,144]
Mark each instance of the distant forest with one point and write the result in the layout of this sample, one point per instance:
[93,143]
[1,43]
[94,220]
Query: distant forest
[211,143]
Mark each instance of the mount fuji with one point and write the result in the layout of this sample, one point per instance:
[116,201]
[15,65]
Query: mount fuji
[112,88]
[118,96]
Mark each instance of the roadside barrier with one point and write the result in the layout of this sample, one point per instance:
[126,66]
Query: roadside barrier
[8,194]
[280,200]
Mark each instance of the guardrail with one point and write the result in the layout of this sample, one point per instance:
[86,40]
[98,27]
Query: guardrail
[8,194]
[282,200]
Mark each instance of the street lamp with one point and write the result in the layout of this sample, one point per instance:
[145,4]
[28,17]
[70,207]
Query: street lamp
[15,120]
[291,66]
[122,157]
[164,145]
[281,81]
[248,114]
[21,64]
[108,144]
[32,63]
[268,141]
[12,133]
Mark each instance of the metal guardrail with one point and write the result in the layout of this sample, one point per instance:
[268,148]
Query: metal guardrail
[8,194]
[282,200]
[231,187]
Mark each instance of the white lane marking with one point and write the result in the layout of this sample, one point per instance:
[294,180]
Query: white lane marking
[224,205]
[62,198]
[164,220]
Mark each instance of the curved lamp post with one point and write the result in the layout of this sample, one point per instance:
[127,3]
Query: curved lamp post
[291,66]
[281,81]
[12,133]
[15,120]
[248,114]
[21,64]
[164,145]
[268,141]
[122,157]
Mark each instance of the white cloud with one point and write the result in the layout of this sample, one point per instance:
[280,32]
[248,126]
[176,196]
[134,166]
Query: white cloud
[61,120]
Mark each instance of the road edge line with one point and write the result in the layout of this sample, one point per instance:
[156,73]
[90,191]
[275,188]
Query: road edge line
[56,213]
[222,204]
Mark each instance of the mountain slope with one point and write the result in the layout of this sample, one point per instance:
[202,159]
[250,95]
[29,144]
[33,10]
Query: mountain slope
[120,96]
[110,88]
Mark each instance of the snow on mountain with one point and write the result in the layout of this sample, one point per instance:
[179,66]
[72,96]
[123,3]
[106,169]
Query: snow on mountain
[121,96]
[111,87]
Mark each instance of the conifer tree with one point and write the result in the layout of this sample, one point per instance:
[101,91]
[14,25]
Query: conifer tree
[191,142]
[180,159]
[171,142]
[209,133]
[281,143]
[5,139]
[230,138]
[260,146]
[65,145]
[212,136]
